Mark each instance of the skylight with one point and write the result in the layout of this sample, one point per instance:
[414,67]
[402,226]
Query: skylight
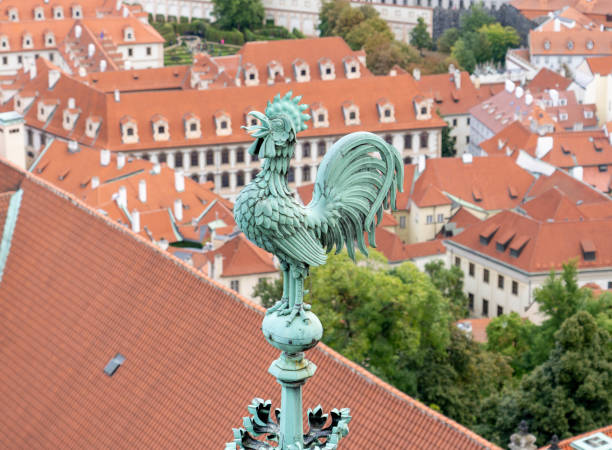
[114,364]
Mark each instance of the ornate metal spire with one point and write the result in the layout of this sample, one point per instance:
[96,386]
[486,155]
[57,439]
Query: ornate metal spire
[351,190]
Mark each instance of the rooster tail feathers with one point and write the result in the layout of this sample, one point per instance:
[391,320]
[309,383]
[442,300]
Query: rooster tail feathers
[356,181]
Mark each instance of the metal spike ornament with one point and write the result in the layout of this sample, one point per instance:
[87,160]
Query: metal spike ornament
[357,179]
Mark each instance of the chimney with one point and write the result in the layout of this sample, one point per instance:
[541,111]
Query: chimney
[451,68]
[519,92]
[135,221]
[103,64]
[528,99]
[122,199]
[77,31]
[156,169]
[557,24]
[91,49]
[117,96]
[416,74]
[217,266]
[577,172]
[467,158]
[127,65]
[105,157]
[118,5]
[142,191]
[95,182]
[71,103]
[509,85]
[33,70]
[54,76]
[178,210]
[73,147]
[120,161]
[179,181]
[457,79]
[421,164]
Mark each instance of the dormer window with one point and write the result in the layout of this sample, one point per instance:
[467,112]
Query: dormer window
[251,75]
[45,110]
[422,107]
[588,114]
[386,113]
[49,39]
[351,67]
[13,15]
[70,118]
[161,130]
[351,113]
[563,101]
[563,116]
[302,71]
[547,45]
[92,126]
[570,45]
[275,69]
[22,103]
[129,130]
[39,14]
[320,118]
[589,250]
[4,42]
[58,12]
[128,34]
[326,66]
[27,41]
[223,123]
[77,12]
[192,126]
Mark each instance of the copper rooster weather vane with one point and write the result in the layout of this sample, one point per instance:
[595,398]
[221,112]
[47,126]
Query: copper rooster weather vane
[357,179]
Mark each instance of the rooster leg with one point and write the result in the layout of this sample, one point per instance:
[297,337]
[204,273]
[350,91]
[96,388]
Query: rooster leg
[283,303]
[299,308]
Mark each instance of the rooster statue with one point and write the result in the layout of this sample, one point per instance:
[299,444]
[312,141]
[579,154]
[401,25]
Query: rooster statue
[356,180]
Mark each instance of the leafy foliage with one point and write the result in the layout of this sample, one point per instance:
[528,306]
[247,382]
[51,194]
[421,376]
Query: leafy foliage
[450,284]
[448,143]
[238,14]
[269,292]
[510,335]
[500,39]
[419,36]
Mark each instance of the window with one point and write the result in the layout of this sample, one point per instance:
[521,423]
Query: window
[252,76]
[500,311]
[424,110]
[389,139]
[471,301]
[321,148]
[353,69]
[225,156]
[402,222]
[240,178]
[328,71]
[43,139]
[129,131]
[19,59]
[210,158]
[51,57]
[306,150]
[194,159]
[457,261]
[210,177]
[161,129]
[467,139]
[5,60]
[148,51]
[440,218]
[240,155]
[178,159]
[471,269]
[223,125]
[255,157]
[161,157]
[429,219]
[130,52]
[500,281]
[321,117]
[30,138]
[235,285]
[352,115]
[407,141]
[387,112]
[454,122]
[225,179]
[306,173]
[193,126]
[145,156]
[195,178]
[424,137]
[485,307]
[291,175]
[485,275]
[514,287]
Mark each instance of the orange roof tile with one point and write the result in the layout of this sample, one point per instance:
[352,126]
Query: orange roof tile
[547,79]
[187,341]
[390,245]
[458,222]
[566,444]
[479,328]
[25,8]
[163,78]
[403,198]
[553,205]
[576,191]
[601,65]
[443,89]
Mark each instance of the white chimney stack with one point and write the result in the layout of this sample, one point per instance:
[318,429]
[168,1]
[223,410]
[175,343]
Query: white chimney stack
[103,64]
[73,146]
[178,209]
[135,221]
[77,31]
[33,70]
[118,5]
[557,24]
[528,99]
[467,158]
[95,182]
[105,157]
[71,103]
[142,191]
[54,76]
[117,95]
[91,49]
[421,164]
[577,172]
[509,85]
[122,199]
[416,74]
[127,65]
[156,169]
[179,181]
[519,92]
[457,79]
[120,161]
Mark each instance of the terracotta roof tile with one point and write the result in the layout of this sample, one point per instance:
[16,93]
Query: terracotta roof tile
[25,8]
[479,328]
[566,444]
[191,367]
[553,205]
[601,65]
[390,245]
[162,78]
[576,190]
[547,79]
[444,90]
[458,222]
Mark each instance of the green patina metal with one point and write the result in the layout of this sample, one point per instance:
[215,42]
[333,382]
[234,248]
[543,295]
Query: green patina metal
[357,179]
[9,228]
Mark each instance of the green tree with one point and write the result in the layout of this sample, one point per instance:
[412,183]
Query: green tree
[238,14]
[464,56]
[450,284]
[268,291]
[369,28]
[500,39]
[448,39]
[382,54]
[569,394]
[448,143]
[419,36]
[510,335]
[329,16]
[475,19]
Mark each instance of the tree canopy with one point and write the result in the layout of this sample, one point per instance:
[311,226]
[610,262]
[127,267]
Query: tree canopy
[238,14]
[420,37]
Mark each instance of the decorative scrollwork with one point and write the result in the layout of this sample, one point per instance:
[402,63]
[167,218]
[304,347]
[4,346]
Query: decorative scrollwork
[319,436]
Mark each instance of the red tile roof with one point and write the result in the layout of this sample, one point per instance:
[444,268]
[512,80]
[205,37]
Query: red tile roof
[576,190]
[163,78]
[390,245]
[479,328]
[194,351]
[553,205]
[547,79]
[601,65]
[459,221]
[566,444]
[542,245]
[596,9]
[592,42]
[25,8]
[403,198]
[487,178]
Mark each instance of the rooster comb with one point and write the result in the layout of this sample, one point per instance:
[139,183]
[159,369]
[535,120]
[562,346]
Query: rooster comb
[291,108]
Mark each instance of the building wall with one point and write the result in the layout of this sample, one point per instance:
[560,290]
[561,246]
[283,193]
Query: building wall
[247,283]
[425,223]
[557,62]
[479,132]
[11,62]
[460,129]
[599,91]
[139,59]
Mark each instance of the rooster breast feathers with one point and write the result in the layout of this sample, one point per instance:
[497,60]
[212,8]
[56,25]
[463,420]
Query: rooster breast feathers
[358,179]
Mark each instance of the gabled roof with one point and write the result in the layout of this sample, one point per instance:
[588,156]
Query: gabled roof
[396,251]
[194,352]
[162,78]
[458,222]
[547,79]
[25,8]
[601,65]
[553,205]
[575,190]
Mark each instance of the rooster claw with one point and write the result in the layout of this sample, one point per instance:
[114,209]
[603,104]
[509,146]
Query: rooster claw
[298,310]
[282,303]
